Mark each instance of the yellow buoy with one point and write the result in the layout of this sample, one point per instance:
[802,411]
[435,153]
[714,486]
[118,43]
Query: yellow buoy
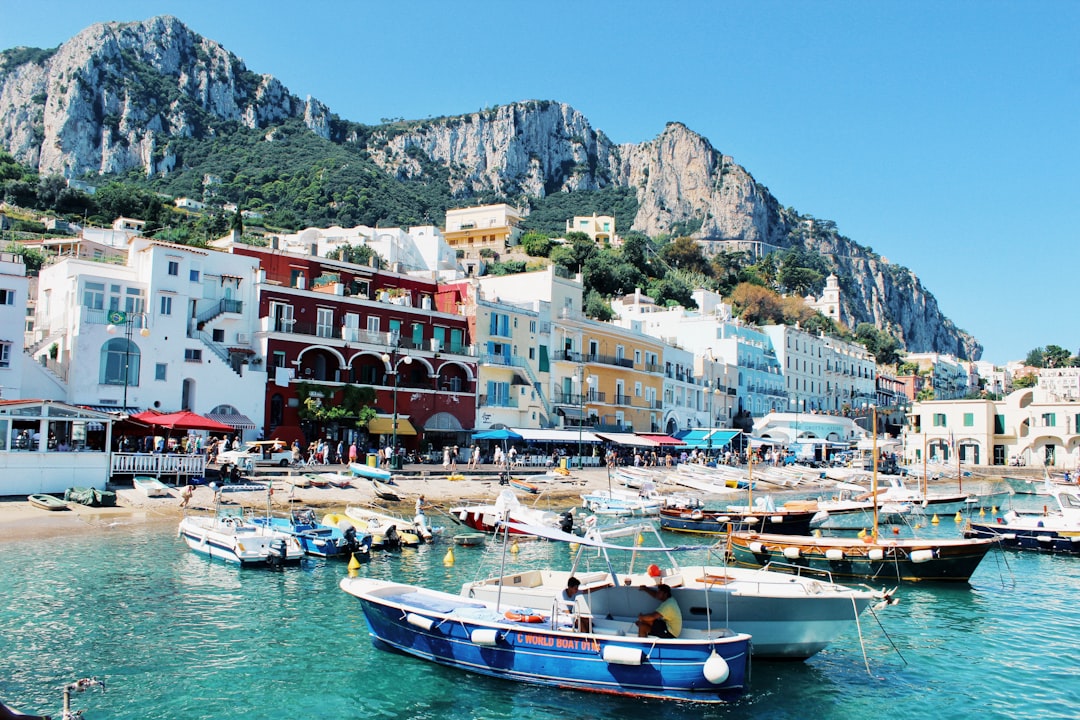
[934,520]
[640,540]
[354,566]
[514,548]
[817,533]
[958,517]
[993,509]
[982,512]
[574,548]
[448,559]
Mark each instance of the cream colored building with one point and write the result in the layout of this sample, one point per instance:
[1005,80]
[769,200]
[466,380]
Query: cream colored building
[1028,427]
[599,228]
[472,229]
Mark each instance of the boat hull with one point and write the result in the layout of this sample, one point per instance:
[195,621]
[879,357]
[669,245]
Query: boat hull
[1029,536]
[713,522]
[47,502]
[441,628]
[151,487]
[238,543]
[905,560]
[788,620]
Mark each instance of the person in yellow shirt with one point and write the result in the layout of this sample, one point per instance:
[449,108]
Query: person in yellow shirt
[666,620]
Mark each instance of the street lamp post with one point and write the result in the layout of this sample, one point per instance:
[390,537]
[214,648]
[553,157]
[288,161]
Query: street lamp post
[119,317]
[391,359]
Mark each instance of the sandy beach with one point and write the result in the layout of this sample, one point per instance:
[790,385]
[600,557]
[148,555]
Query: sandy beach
[20,520]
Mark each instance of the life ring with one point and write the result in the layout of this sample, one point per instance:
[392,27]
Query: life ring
[520,617]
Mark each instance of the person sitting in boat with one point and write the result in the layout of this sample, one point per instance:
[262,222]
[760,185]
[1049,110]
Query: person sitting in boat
[666,620]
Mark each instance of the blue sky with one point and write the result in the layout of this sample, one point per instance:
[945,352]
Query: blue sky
[944,135]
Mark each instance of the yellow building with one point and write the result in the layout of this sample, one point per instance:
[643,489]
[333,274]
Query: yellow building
[613,376]
[494,227]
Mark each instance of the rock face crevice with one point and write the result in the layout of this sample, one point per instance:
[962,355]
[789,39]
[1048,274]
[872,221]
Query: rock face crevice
[113,97]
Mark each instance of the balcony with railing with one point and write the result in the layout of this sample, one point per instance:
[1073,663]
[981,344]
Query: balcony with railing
[499,401]
[597,358]
[381,339]
[565,398]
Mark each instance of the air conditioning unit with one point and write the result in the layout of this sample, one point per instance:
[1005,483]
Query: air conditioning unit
[242,338]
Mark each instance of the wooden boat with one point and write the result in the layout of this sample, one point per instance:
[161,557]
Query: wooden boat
[871,557]
[738,518]
[706,663]
[384,491]
[1052,531]
[46,502]
[789,617]
[150,486]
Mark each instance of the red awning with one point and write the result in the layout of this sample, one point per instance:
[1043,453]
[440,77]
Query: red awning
[661,439]
[183,420]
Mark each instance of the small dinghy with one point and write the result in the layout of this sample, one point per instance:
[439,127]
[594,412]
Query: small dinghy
[47,502]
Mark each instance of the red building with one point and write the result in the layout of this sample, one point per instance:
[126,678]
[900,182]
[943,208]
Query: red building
[328,327]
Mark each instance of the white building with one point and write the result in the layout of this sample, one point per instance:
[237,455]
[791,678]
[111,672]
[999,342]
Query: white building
[13,300]
[420,250]
[171,329]
[1060,383]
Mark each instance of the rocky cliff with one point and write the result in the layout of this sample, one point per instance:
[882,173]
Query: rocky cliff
[109,99]
[113,97]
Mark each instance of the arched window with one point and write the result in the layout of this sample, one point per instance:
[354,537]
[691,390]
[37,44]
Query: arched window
[116,355]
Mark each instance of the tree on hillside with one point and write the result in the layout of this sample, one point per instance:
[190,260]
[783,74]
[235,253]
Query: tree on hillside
[881,344]
[671,290]
[756,305]
[636,250]
[1056,356]
[685,254]
[579,247]
[356,254]
[726,267]
[536,244]
[608,274]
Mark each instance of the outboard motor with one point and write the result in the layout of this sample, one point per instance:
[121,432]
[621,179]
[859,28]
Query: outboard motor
[566,522]
[350,544]
[275,559]
[391,539]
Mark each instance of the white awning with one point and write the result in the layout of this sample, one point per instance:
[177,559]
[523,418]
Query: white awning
[560,436]
[628,439]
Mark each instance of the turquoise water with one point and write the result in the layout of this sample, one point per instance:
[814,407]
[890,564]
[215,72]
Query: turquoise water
[176,636]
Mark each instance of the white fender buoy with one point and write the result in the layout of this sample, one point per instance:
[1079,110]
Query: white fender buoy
[834,554]
[484,636]
[792,553]
[876,554]
[618,655]
[424,623]
[921,556]
[776,519]
[716,669]
[756,547]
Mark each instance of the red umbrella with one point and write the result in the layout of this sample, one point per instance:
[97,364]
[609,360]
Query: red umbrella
[183,420]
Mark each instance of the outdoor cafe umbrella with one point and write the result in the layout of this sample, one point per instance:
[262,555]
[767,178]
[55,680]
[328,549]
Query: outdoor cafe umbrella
[503,434]
[183,420]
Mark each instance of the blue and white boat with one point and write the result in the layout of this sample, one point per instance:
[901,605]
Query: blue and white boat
[316,539]
[1042,531]
[706,663]
[621,503]
[369,472]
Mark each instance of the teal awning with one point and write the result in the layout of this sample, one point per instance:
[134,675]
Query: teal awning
[699,438]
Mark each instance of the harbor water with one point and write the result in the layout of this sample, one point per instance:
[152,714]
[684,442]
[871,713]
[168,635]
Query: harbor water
[178,637]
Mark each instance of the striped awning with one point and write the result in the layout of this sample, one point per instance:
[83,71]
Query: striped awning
[236,420]
[699,439]
[661,439]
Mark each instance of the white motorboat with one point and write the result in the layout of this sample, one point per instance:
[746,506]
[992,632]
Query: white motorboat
[486,517]
[150,486]
[228,536]
[789,616]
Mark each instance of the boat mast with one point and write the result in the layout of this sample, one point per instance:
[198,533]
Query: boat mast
[873,482]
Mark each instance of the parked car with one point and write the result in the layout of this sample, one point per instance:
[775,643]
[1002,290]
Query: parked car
[256,452]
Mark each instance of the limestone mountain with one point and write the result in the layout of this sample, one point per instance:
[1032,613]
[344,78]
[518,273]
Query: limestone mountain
[131,96]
